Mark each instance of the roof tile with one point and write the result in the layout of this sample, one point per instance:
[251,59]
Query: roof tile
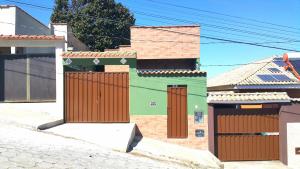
[31,37]
[107,54]
[231,97]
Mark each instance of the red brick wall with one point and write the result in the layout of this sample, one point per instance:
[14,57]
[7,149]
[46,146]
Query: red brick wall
[116,68]
[165,43]
[155,126]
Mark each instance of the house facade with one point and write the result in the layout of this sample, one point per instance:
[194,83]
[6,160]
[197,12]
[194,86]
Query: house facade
[153,83]
[250,109]
[15,21]
[29,53]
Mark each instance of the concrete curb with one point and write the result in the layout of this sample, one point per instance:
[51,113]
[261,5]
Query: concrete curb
[50,124]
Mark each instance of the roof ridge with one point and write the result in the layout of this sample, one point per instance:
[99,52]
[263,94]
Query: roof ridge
[271,59]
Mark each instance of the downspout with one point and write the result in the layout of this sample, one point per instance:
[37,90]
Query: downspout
[290,66]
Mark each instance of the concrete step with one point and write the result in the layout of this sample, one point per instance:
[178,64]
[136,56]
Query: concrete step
[116,136]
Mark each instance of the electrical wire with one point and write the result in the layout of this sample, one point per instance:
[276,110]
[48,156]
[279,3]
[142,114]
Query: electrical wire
[221,14]
[189,42]
[224,21]
[162,17]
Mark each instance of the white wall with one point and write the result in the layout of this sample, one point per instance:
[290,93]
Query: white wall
[293,141]
[61,29]
[15,21]
[7,20]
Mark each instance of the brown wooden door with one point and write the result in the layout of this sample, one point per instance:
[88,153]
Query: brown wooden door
[96,97]
[177,112]
[241,134]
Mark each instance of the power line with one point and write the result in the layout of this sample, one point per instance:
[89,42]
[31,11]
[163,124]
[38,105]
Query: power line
[147,40]
[237,23]
[227,40]
[29,4]
[212,26]
[207,37]
[184,21]
[220,39]
[235,64]
[267,40]
[222,14]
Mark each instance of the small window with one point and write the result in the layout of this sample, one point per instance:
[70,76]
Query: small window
[198,117]
[199,133]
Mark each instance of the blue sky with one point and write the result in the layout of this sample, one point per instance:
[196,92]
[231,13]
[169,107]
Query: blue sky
[280,12]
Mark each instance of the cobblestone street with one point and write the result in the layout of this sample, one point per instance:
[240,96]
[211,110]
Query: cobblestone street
[23,148]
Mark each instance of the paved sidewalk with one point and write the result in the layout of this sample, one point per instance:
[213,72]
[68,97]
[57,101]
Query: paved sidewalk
[29,115]
[26,149]
[117,136]
[255,164]
[172,152]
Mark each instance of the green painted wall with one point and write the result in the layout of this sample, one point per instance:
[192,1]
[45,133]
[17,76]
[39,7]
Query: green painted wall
[103,61]
[146,89]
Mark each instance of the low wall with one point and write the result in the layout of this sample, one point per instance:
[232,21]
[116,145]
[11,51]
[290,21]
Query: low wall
[293,141]
[155,126]
[288,114]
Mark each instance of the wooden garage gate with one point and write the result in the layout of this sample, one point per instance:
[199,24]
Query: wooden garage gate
[96,97]
[240,134]
[177,112]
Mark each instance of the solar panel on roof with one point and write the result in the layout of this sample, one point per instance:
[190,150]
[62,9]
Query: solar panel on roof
[267,78]
[278,58]
[274,78]
[274,70]
[279,63]
[296,64]
[281,77]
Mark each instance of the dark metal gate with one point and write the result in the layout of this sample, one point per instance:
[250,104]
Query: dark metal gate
[177,112]
[96,97]
[247,134]
[27,78]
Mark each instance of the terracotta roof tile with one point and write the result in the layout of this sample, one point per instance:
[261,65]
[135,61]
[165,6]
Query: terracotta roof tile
[262,97]
[157,72]
[107,54]
[31,37]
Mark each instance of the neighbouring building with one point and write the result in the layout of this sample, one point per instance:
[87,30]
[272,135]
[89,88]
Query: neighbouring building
[254,111]
[154,83]
[28,53]
[15,21]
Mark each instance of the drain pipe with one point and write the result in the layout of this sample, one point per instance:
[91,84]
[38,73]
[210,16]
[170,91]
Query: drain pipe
[290,66]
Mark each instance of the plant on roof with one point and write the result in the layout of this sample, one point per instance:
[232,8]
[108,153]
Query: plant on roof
[100,24]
